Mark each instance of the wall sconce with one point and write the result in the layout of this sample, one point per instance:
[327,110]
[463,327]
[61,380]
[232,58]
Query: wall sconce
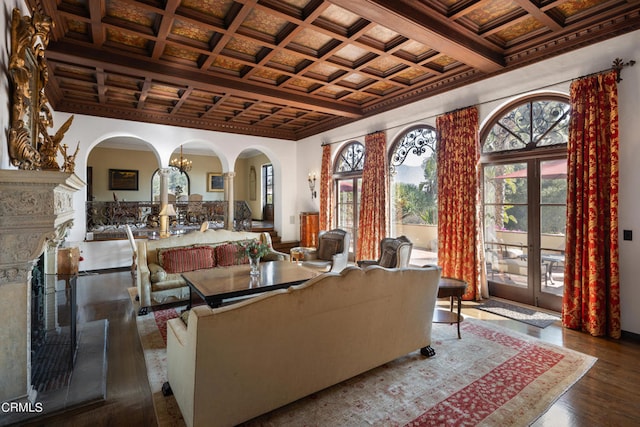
[312,185]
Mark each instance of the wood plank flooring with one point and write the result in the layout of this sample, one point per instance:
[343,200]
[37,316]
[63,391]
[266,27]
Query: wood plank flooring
[608,395]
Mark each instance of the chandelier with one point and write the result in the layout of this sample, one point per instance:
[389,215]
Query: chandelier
[182,164]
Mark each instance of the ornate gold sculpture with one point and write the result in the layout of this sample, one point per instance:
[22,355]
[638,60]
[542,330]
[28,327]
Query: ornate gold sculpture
[30,145]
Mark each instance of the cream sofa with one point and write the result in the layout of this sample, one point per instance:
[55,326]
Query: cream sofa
[233,363]
[156,286]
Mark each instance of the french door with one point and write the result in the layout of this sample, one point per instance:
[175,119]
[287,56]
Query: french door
[524,225]
[348,207]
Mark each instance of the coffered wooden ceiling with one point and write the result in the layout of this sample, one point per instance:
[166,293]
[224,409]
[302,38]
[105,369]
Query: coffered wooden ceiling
[294,68]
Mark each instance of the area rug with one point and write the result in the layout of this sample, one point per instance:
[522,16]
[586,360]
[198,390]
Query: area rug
[519,313]
[152,329]
[490,377]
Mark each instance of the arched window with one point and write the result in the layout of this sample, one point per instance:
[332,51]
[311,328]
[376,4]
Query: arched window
[414,191]
[178,184]
[533,124]
[524,171]
[348,178]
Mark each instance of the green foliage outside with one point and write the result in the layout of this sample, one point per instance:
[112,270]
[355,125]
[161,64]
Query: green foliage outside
[175,179]
[419,201]
[553,195]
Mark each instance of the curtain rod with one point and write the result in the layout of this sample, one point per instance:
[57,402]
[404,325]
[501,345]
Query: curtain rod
[617,65]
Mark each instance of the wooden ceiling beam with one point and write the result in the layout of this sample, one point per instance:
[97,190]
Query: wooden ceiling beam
[165,28]
[96,12]
[539,15]
[70,52]
[428,29]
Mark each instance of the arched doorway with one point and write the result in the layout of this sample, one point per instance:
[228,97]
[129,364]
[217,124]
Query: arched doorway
[254,183]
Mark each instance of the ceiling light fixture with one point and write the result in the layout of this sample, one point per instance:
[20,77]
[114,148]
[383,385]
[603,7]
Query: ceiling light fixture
[182,163]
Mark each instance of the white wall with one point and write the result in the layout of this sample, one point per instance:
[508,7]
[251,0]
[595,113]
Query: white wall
[629,202]
[552,75]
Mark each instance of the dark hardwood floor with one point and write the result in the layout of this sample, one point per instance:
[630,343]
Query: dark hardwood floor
[608,395]
[128,403]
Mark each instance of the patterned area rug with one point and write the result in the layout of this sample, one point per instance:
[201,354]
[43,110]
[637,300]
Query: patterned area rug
[490,377]
[152,329]
[521,314]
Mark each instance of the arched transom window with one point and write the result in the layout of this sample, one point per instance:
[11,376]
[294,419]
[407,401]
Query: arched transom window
[534,124]
[350,159]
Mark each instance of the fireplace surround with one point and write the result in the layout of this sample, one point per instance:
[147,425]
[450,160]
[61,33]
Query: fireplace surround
[36,210]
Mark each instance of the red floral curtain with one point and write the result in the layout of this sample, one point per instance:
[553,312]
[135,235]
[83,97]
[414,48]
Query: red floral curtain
[591,300]
[326,206]
[459,241]
[372,223]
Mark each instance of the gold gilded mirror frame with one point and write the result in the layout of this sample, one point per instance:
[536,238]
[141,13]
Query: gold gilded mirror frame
[30,145]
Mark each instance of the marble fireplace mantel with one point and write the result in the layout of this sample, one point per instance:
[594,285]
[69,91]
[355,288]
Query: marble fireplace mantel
[36,210]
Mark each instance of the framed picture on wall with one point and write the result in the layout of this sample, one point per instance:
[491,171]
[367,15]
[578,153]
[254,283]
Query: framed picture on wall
[215,182]
[123,179]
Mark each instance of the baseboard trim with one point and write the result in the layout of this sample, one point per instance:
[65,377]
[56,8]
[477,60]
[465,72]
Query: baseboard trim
[630,336]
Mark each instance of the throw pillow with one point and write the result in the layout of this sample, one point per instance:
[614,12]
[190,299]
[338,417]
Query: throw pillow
[184,316]
[228,255]
[188,259]
[163,251]
[388,258]
[327,249]
[334,235]
[157,273]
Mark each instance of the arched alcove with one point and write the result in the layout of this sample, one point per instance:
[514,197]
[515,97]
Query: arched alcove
[255,183]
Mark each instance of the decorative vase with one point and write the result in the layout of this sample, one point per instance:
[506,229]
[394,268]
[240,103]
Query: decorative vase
[254,262]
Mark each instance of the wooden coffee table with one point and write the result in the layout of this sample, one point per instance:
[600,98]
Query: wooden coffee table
[215,285]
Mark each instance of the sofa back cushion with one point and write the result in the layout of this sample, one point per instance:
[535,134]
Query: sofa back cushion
[179,260]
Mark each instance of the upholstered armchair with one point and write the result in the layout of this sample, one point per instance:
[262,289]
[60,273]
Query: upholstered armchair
[272,255]
[395,252]
[332,253]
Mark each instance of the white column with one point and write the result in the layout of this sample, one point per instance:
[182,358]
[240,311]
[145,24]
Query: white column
[164,199]
[228,196]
